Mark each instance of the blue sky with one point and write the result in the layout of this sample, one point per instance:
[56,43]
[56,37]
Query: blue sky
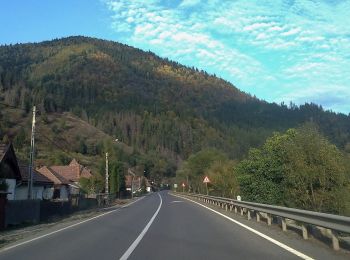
[280,50]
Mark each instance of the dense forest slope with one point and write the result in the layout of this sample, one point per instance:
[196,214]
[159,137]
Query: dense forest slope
[150,103]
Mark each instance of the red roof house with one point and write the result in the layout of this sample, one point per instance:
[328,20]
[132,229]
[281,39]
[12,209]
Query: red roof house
[66,177]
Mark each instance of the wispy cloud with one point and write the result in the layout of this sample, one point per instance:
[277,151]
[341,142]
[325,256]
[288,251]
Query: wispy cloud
[271,49]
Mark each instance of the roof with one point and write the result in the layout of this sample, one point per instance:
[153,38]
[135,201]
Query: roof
[8,158]
[3,149]
[37,176]
[52,175]
[67,173]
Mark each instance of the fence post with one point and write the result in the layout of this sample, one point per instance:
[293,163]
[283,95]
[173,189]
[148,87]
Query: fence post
[284,224]
[269,219]
[335,240]
[304,230]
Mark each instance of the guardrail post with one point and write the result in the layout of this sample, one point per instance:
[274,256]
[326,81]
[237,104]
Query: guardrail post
[242,211]
[231,207]
[226,207]
[304,230]
[269,219]
[235,209]
[335,240]
[248,215]
[257,216]
[284,224]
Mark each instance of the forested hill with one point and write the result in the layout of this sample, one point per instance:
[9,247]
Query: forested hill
[148,102]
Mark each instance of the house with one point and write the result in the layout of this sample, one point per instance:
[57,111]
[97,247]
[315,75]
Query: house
[43,187]
[148,185]
[66,178]
[138,182]
[73,172]
[61,185]
[17,177]
[9,170]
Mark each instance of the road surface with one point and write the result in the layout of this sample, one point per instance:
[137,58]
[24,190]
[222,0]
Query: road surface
[162,226]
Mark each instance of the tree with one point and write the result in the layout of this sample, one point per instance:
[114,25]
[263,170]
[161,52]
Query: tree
[194,169]
[92,185]
[316,173]
[82,147]
[223,178]
[299,168]
[115,175]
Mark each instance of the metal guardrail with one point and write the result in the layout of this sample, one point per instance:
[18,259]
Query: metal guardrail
[329,221]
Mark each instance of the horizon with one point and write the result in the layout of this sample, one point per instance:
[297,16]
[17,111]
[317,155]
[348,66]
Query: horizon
[280,52]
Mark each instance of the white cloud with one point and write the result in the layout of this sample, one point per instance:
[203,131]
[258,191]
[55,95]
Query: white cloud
[256,26]
[189,3]
[291,32]
[275,28]
[265,48]
[333,97]
[261,36]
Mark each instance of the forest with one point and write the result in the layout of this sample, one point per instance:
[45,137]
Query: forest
[164,112]
[298,168]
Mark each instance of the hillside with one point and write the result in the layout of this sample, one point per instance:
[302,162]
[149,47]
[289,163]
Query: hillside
[59,138]
[152,104]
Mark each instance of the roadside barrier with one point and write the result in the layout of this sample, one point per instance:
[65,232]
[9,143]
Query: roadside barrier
[333,224]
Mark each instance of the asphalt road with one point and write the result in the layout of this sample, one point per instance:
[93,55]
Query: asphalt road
[158,226]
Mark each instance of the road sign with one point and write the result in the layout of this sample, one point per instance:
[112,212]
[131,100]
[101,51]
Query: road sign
[183,184]
[206,180]
[175,185]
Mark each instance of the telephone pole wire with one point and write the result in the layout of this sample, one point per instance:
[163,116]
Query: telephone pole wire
[31,159]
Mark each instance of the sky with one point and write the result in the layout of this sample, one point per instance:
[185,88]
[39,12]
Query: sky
[279,51]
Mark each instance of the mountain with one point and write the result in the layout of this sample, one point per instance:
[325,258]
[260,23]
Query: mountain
[152,104]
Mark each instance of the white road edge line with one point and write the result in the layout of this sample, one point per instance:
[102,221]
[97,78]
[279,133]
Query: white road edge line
[59,230]
[274,241]
[142,234]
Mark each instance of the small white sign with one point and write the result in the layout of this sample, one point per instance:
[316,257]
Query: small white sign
[206,180]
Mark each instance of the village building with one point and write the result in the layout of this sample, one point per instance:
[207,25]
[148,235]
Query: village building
[17,177]
[42,186]
[9,170]
[66,178]
[136,183]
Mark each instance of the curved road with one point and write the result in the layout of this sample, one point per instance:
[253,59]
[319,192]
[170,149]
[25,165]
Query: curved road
[158,226]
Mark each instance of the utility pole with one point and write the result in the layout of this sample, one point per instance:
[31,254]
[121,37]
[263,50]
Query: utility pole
[188,184]
[107,176]
[31,158]
[132,182]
